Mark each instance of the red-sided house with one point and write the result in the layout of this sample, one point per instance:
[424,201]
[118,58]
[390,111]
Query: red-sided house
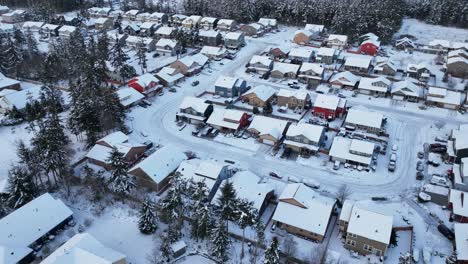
[370,47]
[329,106]
[146,84]
[228,120]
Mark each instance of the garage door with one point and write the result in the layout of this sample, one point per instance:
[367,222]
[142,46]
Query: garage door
[398,97]
[268,142]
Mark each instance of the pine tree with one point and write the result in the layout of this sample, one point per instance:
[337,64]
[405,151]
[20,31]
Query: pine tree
[103,55]
[220,242]
[227,203]
[272,253]
[119,60]
[172,206]
[246,216]
[267,108]
[260,237]
[21,188]
[147,222]
[165,247]
[121,182]
[141,55]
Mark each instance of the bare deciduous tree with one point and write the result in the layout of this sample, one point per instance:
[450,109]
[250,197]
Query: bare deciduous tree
[289,248]
[342,194]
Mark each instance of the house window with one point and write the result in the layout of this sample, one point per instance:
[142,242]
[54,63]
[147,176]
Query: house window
[367,248]
[378,252]
[350,242]
[352,235]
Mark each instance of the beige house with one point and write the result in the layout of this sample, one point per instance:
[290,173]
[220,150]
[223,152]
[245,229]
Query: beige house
[303,212]
[283,70]
[259,95]
[311,73]
[374,86]
[268,130]
[458,66]
[208,23]
[226,25]
[304,138]
[293,99]
[192,22]
[337,41]
[385,67]
[444,98]
[302,37]
[103,23]
[260,64]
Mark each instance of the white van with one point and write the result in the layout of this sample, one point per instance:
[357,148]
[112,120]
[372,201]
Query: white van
[393,157]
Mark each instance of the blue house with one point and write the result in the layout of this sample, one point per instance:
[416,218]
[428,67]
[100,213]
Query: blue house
[230,87]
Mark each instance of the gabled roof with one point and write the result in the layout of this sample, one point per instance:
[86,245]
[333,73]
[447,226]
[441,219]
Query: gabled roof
[128,96]
[298,94]
[215,51]
[360,61]
[157,15]
[369,35]
[327,101]
[315,67]
[345,78]
[148,25]
[324,51]
[371,225]
[440,42]
[227,82]
[407,87]
[285,68]
[208,33]
[29,24]
[208,20]
[310,131]
[385,62]
[220,116]
[341,38]
[268,126]
[370,84]
[371,41]
[301,52]
[341,148]
[314,28]
[163,42]
[405,41]
[198,104]
[5,81]
[268,22]
[227,22]
[165,30]
[264,60]
[364,118]
[263,92]
[233,35]
[114,138]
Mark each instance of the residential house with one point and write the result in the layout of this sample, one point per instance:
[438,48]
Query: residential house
[226,25]
[136,42]
[99,11]
[230,87]
[154,172]
[210,37]
[458,204]
[66,31]
[132,29]
[439,195]
[190,65]
[146,84]
[405,44]
[353,151]
[277,54]
[406,90]
[15,16]
[293,99]
[208,23]
[253,29]
[260,64]
[12,98]
[115,37]
[325,55]
[337,41]
[214,53]
[302,37]
[169,76]
[459,45]
[368,232]
[210,172]
[159,18]
[303,212]
[246,181]
[268,130]
[316,30]
[444,98]
[26,228]
[4,9]
[371,122]
[458,67]
[228,120]
[118,14]
[32,26]
[268,23]
[461,242]
[8,83]
[165,32]
[143,17]
[129,97]
[455,53]
[460,175]
[440,45]
[148,29]
[167,47]
[418,71]
[345,80]
[457,147]
[311,74]
[304,138]
[370,47]
[358,64]
[385,67]
[374,86]
[194,110]
[329,106]
[284,70]
[131,14]
[368,36]
[103,23]
[49,30]
[302,54]
[177,20]
[99,154]
[234,40]
[259,95]
[192,22]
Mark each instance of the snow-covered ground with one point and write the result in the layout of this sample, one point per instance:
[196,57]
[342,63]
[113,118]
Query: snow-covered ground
[424,33]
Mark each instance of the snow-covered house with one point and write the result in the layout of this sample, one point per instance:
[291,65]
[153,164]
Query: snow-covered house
[116,14]
[228,120]
[84,248]
[234,40]
[214,53]
[132,29]
[304,138]
[25,228]
[337,41]
[148,29]
[268,23]
[301,54]
[18,99]
[230,87]
[129,97]
[303,212]
[406,90]
[358,63]
[14,16]
[374,86]
[325,55]
[210,172]
[405,44]
[194,110]
[458,204]
[253,29]
[226,25]
[131,14]
[260,64]
[66,31]
[438,194]
[191,22]
[311,73]
[249,186]
[444,98]
[367,232]
[136,42]
[143,17]
[169,76]
[32,26]
[371,122]
[353,151]
[115,37]
[210,37]
[418,71]
[385,67]
[99,154]
[283,70]
[457,147]
[259,95]
[302,37]
[4,9]
[49,30]
[165,32]
[103,23]
[167,47]
[146,84]
[268,130]
[345,80]
[8,83]
[208,23]
[154,172]
[458,66]
[177,20]
[460,175]
[293,99]
[190,65]
[329,106]
[315,29]
[370,46]
[440,45]
[158,17]
[461,242]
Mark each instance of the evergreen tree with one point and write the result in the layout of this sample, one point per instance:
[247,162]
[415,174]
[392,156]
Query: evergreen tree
[119,60]
[272,253]
[141,55]
[21,188]
[113,113]
[165,247]
[103,55]
[246,217]
[220,242]
[147,222]
[227,203]
[52,69]
[121,182]
[267,108]
[172,206]
[260,237]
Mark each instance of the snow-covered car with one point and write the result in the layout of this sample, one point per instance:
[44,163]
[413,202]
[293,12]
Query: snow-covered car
[336,165]
[275,175]
[311,183]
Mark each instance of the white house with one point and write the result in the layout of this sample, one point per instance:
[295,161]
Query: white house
[374,86]
[352,151]
[365,120]
[337,41]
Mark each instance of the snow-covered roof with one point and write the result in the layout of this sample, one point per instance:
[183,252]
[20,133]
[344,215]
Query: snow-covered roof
[208,33]
[327,101]
[388,62]
[440,42]
[341,38]
[114,138]
[5,81]
[459,201]
[32,24]
[4,8]
[209,20]
[301,52]
[305,32]
[50,26]
[128,96]
[263,92]
[67,29]
[198,104]
[200,59]
[371,41]
[165,30]
[285,68]
[460,45]
[264,60]
[227,82]
[268,22]
[345,213]
[227,22]
[431,188]
[310,131]
[461,241]
[188,168]
[441,95]
[233,35]
[161,163]
[405,40]
[225,117]
[215,51]
[6,27]
[148,25]
[145,80]
[345,78]
[21,98]
[102,153]
[132,12]
[298,94]
[411,67]
[407,87]
[268,126]
[177,246]
[209,169]
[461,141]
[157,15]
[371,225]
[256,26]
[179,16]
[457,59]
[341,149]
[364,118]
[315,67]
[83,248]
[327,52]
[369,35]
[314,28]
[360,61]
[163,42]
[374,84]
[27,224]
[192,19]
[169,74]
[143,15]
[314,214]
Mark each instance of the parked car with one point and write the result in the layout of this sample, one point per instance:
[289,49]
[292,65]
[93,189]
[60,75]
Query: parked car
[391,166]
[195,83]
[172,90]
[438,148]
[195,132]
[447,232]
[419,166]
[393,157]
[420,154]
[311,183]
[155,55]
[146,102]
[419,176]
[143,105]
[149,144]
[274,175]
[394,147]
